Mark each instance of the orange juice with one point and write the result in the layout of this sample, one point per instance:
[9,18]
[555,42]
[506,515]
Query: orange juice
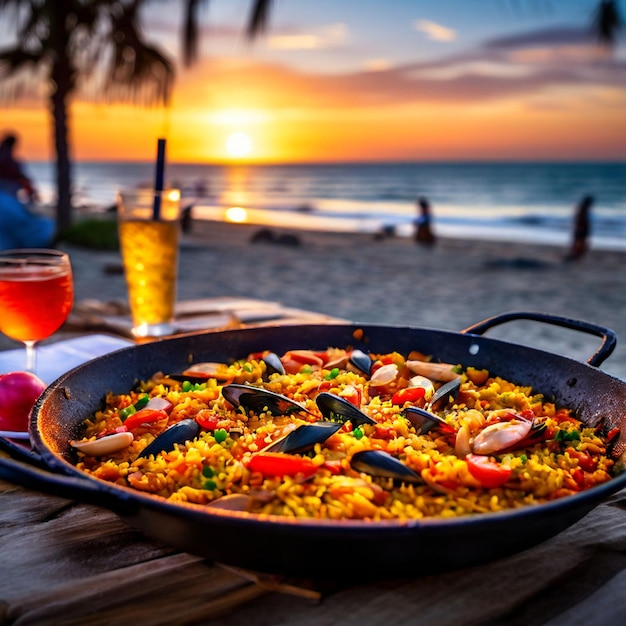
[35,300]
[150,255]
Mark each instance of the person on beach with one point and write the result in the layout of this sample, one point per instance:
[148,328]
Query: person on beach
[423,230]
[581,230]
[20,227]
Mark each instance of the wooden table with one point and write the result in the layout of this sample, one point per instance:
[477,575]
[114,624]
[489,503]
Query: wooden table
[62,562]
[69,563]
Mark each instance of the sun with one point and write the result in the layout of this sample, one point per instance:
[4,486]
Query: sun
[238,144]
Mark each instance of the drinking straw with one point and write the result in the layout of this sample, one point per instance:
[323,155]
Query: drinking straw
[158,183]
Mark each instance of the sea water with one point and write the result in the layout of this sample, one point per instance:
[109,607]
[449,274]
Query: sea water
[516,201]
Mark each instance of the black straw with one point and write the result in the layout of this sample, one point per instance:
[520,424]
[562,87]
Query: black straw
[158,182]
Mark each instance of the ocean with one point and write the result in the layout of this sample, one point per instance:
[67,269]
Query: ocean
[515,201]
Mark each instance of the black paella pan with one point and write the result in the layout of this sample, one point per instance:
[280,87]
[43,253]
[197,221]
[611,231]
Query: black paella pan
[313,548]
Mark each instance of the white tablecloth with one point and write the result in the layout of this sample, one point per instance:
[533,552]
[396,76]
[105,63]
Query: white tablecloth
[57,358]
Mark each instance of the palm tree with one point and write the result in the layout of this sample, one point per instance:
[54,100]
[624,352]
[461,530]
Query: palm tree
[66,42]
[99,43]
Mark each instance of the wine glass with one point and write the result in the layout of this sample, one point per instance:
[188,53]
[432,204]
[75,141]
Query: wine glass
[36,296]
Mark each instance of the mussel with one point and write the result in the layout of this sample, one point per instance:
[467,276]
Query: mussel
[442,396]
[335,408]
[361,361]
[185,430]
[381,464]
[273,364]
[304,437]
[259,400]
[424,420]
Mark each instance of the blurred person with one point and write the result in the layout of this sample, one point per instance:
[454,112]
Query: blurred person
[423,230]
[581,229]
[20,226]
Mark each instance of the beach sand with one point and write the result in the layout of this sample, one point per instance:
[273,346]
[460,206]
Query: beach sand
[392,280]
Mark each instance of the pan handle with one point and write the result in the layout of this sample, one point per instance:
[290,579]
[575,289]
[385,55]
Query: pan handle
[29,472]
[608,336]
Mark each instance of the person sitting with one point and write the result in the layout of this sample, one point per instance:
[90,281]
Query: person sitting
[20,227]
[423,231]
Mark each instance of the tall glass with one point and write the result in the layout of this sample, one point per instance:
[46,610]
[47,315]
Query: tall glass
[36,296]
[149,232]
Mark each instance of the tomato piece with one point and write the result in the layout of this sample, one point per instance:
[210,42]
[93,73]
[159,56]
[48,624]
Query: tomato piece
[333,466]
[585,461]
[145,416]
[281,464]
[489,473]
[352,395]
[409,394]
[207,419]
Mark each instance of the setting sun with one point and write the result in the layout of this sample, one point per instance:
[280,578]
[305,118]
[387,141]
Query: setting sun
[238,144]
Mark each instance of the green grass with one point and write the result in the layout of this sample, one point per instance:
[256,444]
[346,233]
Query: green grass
[97,234]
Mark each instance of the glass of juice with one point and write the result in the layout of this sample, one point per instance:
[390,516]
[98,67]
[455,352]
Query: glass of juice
[149,232]
[36,296]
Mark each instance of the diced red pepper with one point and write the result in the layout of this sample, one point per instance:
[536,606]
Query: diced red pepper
[333,466]
[145,416]
[409,394]
[614,432]
[207,419]
[585,461]
[280,464]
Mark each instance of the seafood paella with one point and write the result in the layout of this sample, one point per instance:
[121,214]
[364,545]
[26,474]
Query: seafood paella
[341,434]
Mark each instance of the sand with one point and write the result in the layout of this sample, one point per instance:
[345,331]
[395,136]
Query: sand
[450,286]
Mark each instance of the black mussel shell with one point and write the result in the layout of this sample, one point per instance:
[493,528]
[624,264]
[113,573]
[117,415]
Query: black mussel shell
[273,364]
[442,396]
[184,430]
[259,400]
[423,420]
[181,378]
[361,361]
[381,464]
[304,437]
[334,408]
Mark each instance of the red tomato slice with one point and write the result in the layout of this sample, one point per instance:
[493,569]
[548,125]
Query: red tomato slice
[280,464]
[409,394]
[145,416]
[490,473]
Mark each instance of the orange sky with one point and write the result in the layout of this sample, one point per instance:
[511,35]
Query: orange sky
[527,97]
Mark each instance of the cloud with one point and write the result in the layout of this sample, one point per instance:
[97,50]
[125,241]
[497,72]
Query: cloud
[329,36]
[524,67]
[436,32]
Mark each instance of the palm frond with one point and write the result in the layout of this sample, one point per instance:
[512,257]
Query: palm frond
[607,22]
[259,16]
[191,32]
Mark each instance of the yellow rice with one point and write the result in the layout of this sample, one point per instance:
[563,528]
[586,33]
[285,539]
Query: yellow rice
[205,469]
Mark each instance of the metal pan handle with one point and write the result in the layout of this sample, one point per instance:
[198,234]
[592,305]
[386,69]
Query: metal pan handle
[607,335]
[28,472]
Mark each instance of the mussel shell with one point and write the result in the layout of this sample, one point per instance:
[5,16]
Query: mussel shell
[185,430]
[361,361]
[181,378]
[381,464]
[304,437]
[441,397]
[273,364]
[335,408]
[260,400]
[423,420]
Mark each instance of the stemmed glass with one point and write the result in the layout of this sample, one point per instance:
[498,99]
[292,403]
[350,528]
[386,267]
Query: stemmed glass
[36,296]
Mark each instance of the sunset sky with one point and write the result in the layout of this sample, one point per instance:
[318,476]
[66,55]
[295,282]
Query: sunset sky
[365,80]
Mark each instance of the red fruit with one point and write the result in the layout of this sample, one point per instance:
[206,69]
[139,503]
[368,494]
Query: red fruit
[18,393]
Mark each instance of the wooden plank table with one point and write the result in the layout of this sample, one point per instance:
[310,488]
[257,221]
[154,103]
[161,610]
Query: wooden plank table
[69,563]
[63,562]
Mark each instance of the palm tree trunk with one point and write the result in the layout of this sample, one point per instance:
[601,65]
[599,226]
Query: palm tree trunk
[62,80]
